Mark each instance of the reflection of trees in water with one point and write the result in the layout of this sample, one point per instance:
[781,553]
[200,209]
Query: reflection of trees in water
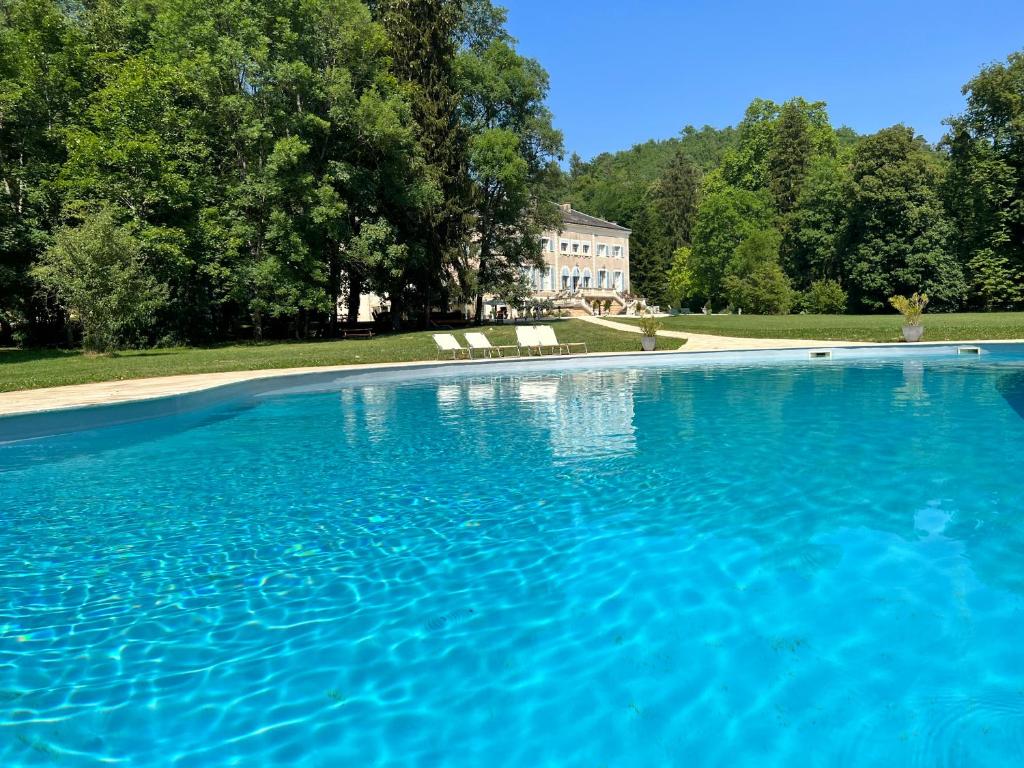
[1011,386]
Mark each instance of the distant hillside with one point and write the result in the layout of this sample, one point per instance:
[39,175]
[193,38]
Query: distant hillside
[611,185]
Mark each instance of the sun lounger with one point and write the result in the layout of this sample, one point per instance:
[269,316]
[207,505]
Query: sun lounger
[446,343]
[480,343]
[526,335]
[546,337]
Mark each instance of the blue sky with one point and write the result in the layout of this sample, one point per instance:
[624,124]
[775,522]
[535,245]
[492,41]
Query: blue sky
[664,64]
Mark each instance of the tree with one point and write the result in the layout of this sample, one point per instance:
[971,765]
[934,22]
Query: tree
[759,247]
[681,283]
[676,197]
[898,236]
[774,145]
[754,281]
[985,186]
[812,237]
[425,36]
[789,156]
[765,291]
[42,79]
[726,217]
[512,158]
[824,297]
[98,273]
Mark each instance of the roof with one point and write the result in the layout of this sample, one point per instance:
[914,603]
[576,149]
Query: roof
[572,216]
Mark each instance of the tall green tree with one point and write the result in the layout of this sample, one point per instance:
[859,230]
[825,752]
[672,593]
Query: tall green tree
[676,197]
[813,235]
[426,36]
[43,76]
[984,189]
[789,156]
[727,216]
[898,236]
[774,145]
[513,152]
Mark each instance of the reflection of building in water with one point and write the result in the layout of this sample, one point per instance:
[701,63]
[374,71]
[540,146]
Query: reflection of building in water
[367,411]
[912,390]
[585,414]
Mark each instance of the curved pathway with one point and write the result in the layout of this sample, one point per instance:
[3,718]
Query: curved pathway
[705,342]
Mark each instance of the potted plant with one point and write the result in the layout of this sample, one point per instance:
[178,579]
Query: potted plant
[649,327]
[911,309]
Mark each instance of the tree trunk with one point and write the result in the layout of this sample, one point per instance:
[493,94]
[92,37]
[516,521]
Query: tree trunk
[334,289]
[396,310]
[355,290]
[481,269]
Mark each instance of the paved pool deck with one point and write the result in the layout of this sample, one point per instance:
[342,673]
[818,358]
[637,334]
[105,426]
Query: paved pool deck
[49,399]
[705,342]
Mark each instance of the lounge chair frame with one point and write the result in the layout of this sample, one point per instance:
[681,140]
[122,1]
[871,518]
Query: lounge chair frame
[450,344]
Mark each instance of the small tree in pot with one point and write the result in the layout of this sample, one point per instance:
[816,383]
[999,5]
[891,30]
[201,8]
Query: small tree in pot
[649,328]
[912,309]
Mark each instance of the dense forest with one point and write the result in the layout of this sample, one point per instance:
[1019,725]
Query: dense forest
[180,171]
[174,171]
[785,212]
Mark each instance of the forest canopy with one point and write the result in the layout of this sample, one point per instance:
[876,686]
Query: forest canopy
[244,168]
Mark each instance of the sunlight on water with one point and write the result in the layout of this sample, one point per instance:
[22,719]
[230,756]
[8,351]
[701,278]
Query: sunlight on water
[815,564]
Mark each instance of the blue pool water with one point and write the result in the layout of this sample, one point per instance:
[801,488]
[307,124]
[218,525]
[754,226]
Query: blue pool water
[795,564]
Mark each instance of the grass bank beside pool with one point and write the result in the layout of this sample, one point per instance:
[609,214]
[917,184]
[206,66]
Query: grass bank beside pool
[951,327]
[35,368]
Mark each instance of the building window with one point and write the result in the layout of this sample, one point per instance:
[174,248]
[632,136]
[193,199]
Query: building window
[602,278]
[616,251]
[575,246]
[565,278]
[575,278]
[565,246]
[618,281]
[549,278]
[586,278]
[544,243]
[586,248]
[602,249]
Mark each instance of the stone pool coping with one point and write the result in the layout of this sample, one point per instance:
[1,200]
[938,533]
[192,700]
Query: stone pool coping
[51,400]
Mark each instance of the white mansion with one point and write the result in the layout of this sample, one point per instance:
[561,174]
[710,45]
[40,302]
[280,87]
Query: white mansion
[586,261]
[586,264]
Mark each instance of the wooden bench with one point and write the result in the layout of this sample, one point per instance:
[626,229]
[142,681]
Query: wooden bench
[357,333]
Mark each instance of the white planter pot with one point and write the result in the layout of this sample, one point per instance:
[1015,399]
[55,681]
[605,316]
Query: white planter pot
[913,332]
[648,343]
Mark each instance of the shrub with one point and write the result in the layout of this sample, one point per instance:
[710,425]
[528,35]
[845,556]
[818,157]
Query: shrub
[98,274]
[765,291]
[825,297]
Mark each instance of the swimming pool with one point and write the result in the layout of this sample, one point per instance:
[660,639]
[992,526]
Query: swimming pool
[722,561]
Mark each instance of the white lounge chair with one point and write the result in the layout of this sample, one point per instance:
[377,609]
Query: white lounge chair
[447,343]
[527,337]
[481,343]
[547,338]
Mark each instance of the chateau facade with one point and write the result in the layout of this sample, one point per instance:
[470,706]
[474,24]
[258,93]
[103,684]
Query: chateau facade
[587,260]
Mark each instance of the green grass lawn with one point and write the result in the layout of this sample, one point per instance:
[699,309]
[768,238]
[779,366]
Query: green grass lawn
[30,369]
[952,327]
